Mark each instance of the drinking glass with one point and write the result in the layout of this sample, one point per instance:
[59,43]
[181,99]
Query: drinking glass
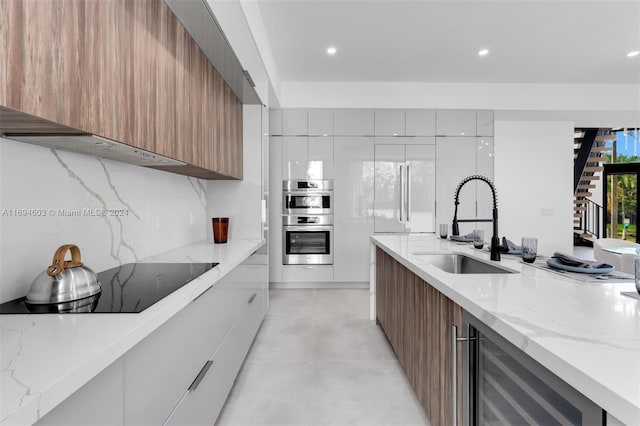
[636,261]
[220,229]
[478,238]
[529,249]
[444,231]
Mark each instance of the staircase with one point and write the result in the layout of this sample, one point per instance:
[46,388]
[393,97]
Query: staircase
[589,150]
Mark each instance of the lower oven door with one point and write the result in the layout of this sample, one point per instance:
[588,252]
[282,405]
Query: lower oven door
[307,245]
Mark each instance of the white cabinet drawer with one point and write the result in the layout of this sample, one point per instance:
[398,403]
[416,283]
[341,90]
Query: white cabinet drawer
[159,369]
[204,400]
[202,404]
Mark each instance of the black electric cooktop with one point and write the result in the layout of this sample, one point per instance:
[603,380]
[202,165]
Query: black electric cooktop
[129,288]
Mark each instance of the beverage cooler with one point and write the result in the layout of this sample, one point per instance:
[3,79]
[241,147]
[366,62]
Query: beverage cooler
[504,386]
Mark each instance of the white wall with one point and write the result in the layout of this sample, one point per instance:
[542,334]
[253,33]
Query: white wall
[496,96]
[241,201]
[534,180]
[163,211]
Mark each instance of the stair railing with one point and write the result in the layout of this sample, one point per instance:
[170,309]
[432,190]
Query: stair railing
[591,219]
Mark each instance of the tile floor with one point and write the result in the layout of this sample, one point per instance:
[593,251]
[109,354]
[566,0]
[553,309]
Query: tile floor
[319,360]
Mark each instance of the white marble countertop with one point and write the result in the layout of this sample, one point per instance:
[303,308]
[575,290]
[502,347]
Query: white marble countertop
[588,334]
[45,358]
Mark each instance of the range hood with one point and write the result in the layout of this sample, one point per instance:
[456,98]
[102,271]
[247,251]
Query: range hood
[96,146]
[199,21]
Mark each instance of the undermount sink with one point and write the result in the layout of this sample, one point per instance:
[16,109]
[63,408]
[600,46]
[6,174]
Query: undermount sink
[456,263]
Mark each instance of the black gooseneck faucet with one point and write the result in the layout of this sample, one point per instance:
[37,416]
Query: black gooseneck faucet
[495,240]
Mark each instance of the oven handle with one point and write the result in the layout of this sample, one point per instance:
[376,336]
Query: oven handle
[308,228]
[309,193]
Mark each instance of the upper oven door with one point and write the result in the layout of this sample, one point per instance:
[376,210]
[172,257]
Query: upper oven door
[302,202]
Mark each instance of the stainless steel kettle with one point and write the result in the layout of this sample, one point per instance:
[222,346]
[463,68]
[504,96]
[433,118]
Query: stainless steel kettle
[64,280]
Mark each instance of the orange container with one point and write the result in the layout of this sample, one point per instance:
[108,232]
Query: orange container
[220,229]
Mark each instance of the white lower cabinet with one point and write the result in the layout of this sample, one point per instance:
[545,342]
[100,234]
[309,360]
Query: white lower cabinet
[205,398]
[161,380]
[99,402]
[159,369]
[353,208]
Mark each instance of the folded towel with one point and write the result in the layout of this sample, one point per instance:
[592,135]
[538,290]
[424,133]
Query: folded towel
[462,238]
[510,245]
[567,259]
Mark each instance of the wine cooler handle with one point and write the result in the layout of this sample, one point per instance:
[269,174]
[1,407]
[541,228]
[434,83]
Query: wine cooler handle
[454,374]
[401,175]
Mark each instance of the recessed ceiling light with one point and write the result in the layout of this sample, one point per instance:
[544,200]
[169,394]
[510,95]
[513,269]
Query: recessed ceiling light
[483,52]
[634,53]
[331,50]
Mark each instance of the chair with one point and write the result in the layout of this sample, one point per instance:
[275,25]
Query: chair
[621,262]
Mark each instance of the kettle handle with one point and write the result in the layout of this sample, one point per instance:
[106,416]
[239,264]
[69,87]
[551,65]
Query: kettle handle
[58,265]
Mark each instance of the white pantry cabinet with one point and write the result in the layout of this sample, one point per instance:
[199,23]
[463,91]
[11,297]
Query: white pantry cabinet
[420,122]
[275,122]
[389,122]
[353,211]
[353,122]
[457,158]
[484,123]
[320,122]
[307,157]
[294,122]
[455,122]
[405,186]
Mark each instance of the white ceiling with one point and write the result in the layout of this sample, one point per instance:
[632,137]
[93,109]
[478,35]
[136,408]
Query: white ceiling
[542,41]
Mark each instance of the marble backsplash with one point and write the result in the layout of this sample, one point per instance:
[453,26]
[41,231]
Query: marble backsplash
[115,212]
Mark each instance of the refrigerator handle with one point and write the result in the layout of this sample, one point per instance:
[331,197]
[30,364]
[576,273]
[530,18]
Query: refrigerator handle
[408,194]
[401,175]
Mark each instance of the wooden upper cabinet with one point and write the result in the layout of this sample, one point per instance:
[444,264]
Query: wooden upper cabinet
[125,70]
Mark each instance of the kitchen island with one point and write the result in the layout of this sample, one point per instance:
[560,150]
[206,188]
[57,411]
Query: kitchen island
[46,358]
[587,334]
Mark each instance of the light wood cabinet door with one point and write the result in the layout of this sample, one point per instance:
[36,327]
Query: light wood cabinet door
[417,319]
[125,70]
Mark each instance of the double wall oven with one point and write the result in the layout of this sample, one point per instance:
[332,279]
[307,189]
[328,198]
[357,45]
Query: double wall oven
[307,218]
